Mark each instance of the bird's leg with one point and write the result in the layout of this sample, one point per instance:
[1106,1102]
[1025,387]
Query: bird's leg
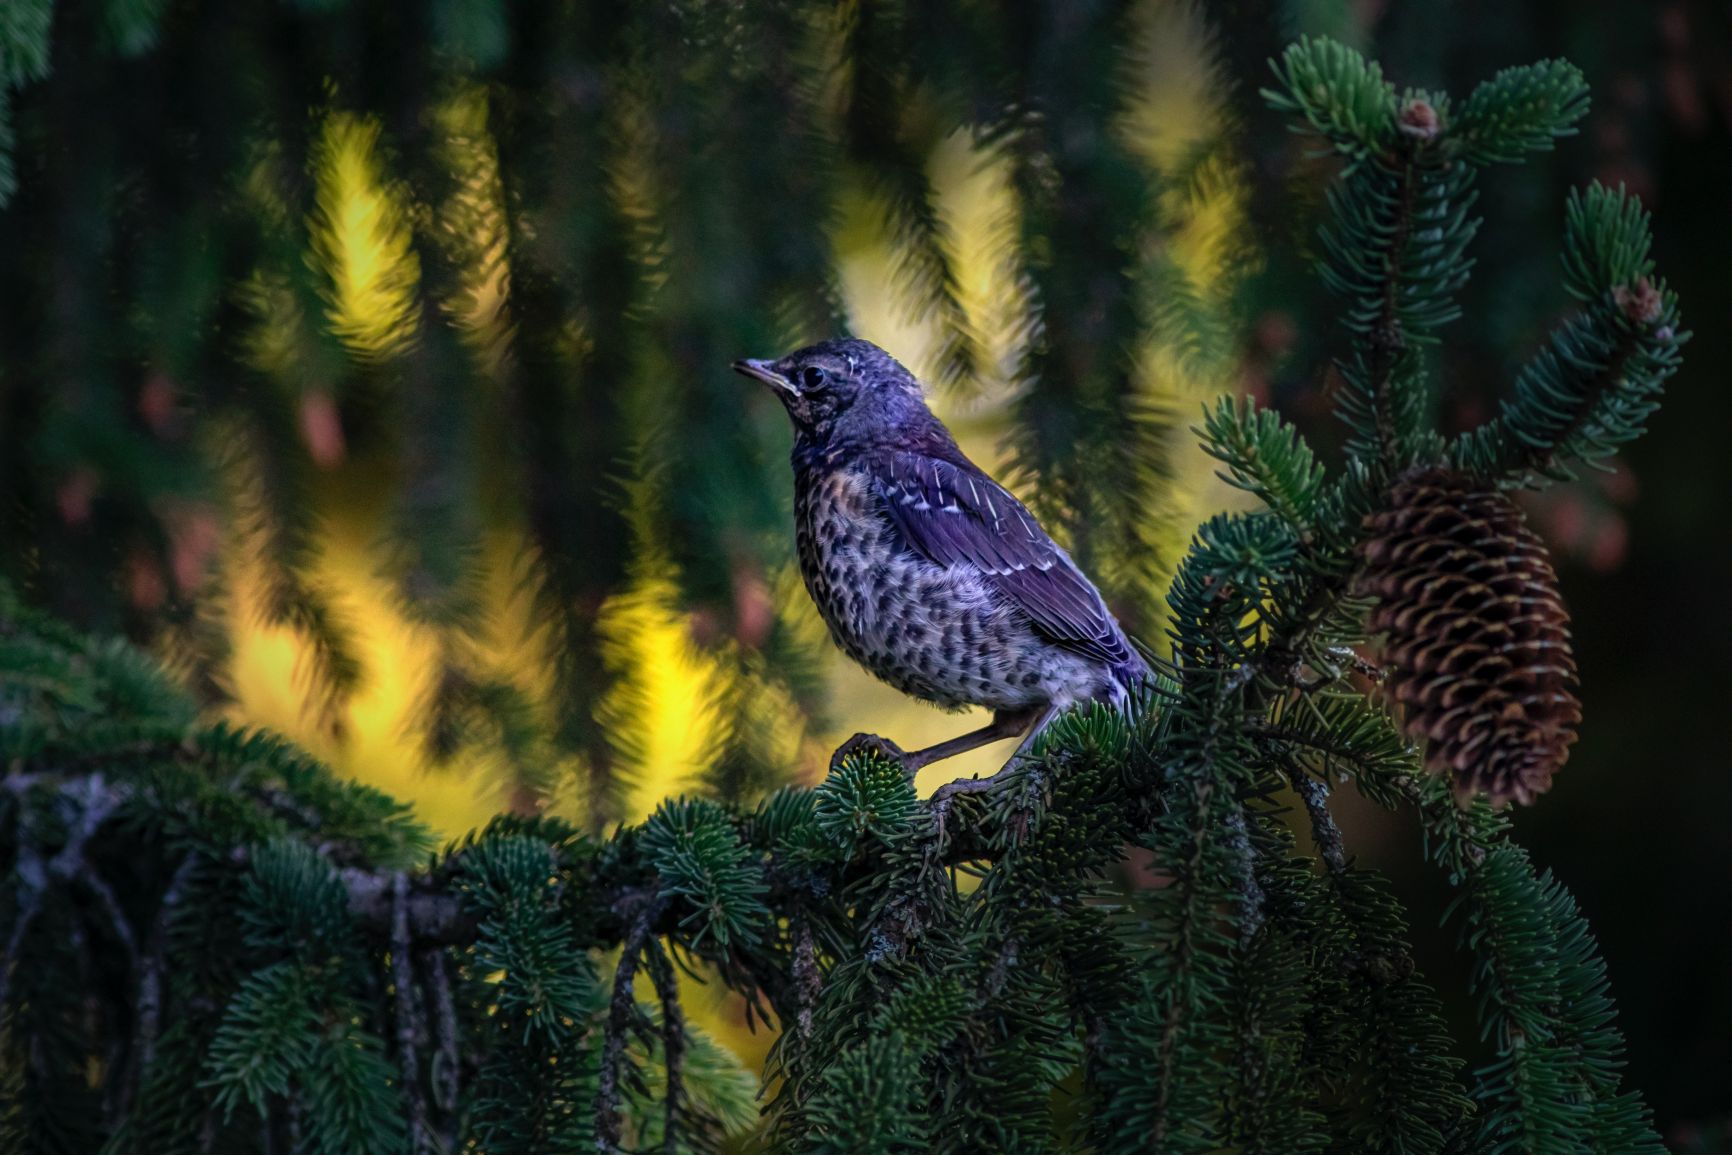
[1041,716]
[1004,724]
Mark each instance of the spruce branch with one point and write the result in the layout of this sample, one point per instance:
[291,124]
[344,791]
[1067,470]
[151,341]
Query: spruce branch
[1339,94]
[1324,832]
[673,1036]
[1400,226]
[1189,942]
[444,1074]
[430,917]
[621,1017]
[1521,110]
[1238,843]
[1265,457]
[410,1028]
[1599,378]
[808,981]
[1549,1089]
[1397,254]
[92,803]
[151,971]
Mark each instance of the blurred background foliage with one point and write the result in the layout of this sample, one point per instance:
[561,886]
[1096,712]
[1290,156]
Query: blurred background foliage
[368,361]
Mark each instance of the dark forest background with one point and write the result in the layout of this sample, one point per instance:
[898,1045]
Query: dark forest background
[368,361]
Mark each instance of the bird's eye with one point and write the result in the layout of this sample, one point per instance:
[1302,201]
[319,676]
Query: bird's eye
[812,377]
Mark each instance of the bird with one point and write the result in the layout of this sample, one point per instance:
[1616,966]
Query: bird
[929,573]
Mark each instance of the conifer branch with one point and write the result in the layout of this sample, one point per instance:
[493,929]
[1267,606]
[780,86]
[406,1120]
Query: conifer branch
[673,1033]
[93,803]
[1166,1074]
[151,971]
[1238,843]
[622,1011]
[808,982]
[409,1025]
[1324,832]
[1386,338]
[444,1075]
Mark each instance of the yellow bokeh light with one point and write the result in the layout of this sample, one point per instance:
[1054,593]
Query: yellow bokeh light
[473,227]
[661,705]
[362,241]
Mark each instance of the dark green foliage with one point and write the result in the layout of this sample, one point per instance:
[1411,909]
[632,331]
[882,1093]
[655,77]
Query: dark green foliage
[1338,94]
[212,944]
[1093,442]
[1598,379]
[1520,110]
[25,41]
[1541,995]
[869,1102]
[865,797]
[696,850]
[1265,457]
[509,883]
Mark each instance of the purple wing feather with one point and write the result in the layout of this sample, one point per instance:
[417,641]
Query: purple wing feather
[953,513]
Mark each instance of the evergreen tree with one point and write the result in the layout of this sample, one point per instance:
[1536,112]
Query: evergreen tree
[212,944]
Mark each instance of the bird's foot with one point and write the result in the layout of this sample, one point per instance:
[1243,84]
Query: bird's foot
[941,797]
[871,744]
[944,797]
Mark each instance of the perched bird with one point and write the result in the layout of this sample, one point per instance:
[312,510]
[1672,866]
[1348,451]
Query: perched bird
[928,572]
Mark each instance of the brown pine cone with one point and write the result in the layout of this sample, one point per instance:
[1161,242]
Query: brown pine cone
[1476,634]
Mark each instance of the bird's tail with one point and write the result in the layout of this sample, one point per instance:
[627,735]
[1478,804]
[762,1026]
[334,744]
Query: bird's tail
[1132,679]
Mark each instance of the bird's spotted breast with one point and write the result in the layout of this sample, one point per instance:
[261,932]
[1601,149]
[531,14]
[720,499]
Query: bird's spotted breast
[938,632]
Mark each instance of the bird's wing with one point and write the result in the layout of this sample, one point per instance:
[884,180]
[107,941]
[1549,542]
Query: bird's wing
[954,514]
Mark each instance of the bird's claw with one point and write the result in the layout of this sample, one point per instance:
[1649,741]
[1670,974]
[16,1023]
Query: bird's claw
[943,795]
[870,744]
[943,798]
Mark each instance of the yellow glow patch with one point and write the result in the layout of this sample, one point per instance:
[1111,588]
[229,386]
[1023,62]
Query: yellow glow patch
[380,741]
[661,708]
[361,240]
[1178,95]
[474,228]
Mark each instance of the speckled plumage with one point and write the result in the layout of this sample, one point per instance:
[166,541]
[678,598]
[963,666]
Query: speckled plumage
[930,574]
[940,633]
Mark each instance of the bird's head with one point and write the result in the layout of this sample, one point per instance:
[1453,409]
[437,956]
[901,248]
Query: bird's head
[843,392]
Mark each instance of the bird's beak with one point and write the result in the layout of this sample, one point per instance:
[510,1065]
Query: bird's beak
[765,372]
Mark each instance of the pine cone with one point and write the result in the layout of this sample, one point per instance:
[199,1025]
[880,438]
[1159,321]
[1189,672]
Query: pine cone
[1477,636]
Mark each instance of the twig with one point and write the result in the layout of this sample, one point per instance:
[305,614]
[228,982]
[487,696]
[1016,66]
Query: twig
[432,917]
[105,897]
[1388,340]
[444,1073]
[32,878]
[808,982]
[155,952]
[34,875]
[673,1042]
[1238,840]
[149,1018]
[620,1009]
[408,1026]
[1332,752]
[1324,832]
